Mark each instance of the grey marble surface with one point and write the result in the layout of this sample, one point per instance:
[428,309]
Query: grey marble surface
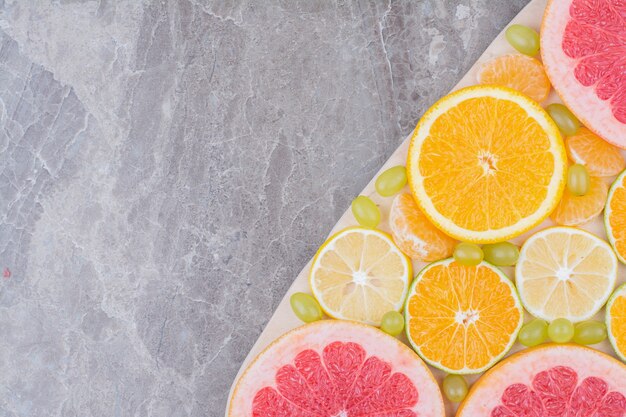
[168,167]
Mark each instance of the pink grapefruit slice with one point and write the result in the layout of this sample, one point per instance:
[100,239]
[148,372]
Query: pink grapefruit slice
[583,47]
[550,381]
[334,368]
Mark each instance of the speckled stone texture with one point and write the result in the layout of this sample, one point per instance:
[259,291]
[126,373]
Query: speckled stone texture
[168,167]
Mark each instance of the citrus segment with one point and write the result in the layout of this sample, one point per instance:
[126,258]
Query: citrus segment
[462,319]
[615,217]
[564,272]
[519,72]
[336,368]
[360,274]
[601,158]
[616,321]
[414,234]
[486,163]
[576,210]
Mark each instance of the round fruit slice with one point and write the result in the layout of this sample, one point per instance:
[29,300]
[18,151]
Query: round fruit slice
[462,319]
[615,217]
[550,381]
[583,47]
[336,368]
[599,157]
[519,72]
[360,274]
[414,234]
[564,272]
[575,210]
[486,163]
[616,321]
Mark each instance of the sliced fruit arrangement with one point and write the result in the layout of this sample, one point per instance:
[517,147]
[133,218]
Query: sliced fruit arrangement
[486,163]
[615,217]
[336,368]
[550,380]
[599,157]
[519,72]
[583,47]
[360,274]
[565,273]
[616,321]
[462,319]
[414,234]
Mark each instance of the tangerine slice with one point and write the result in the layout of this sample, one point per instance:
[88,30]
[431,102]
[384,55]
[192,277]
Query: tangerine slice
[576,210]
[615,217]
[519,72]
[599,157]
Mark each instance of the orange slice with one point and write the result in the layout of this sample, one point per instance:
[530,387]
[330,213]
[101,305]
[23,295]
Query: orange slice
[462,319]
[615,217]
[616,321]
[575,210]
[519,72]
[414,234]
[486,163]
[600,157]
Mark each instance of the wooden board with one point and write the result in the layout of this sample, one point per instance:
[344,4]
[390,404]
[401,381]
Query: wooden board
[284,319]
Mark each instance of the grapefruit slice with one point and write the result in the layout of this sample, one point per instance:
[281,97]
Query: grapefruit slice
[616,321]
[550,381]
[334,368]
[583,47]
[615,217]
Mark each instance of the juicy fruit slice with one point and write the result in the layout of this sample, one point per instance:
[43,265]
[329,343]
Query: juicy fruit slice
[336,368]
[583,47]
[616,321]
[601,158]
[519,72]
[462,319]
[360,274]
[564,272]
[550,380]
[414,234]
[486,163]
[615,217]
[576,210]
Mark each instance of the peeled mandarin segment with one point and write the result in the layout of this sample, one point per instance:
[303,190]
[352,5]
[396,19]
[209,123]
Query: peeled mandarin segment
[519,72]
[600,157]
[564,272]
[414,234]
[615,217]
[575,210]
[462,319]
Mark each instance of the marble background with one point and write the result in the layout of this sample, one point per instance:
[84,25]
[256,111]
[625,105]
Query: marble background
[168,167]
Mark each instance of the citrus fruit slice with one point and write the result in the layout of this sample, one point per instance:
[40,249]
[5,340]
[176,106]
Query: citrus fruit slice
[486,163]
[575,210]
[336,368]
[615,217]
[550,381]
[519,72]
[360,274]
[462,319]
[583,47]
[564,272]
[414,234]
[599,157]
[616,321]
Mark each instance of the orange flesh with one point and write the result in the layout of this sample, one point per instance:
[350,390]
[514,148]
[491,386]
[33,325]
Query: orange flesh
[575,210]
[618,323]
[519,72]
[617,219]
[599,157]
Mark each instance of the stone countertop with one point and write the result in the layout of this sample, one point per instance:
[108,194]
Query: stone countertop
[168,167]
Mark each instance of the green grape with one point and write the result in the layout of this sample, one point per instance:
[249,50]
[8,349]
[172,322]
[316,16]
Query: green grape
[533,333]
[455,388]
[392,323]
[566,121]
[468,254]
[524,39]
[391,181]
[305,307]
[589,332]
[366,211]
[501,254]
[561,331]
[578,181]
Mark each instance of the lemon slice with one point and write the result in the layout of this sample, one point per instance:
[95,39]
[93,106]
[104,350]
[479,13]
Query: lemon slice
[564,272]
[360,274]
